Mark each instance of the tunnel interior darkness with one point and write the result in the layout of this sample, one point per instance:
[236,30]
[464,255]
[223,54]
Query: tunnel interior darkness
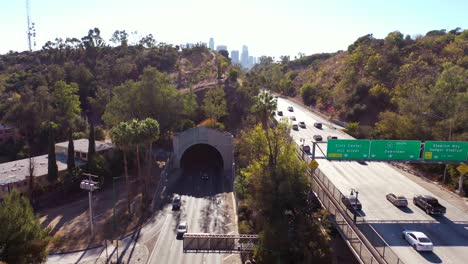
[200,157]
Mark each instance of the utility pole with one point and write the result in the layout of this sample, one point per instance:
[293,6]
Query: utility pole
[90,186]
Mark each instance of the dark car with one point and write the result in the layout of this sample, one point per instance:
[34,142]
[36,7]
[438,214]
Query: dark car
[429,204]
[351,202]
[302,124]
[332,137]
[318,138]
[305,148]
[176,202]
[290,109]
[280,113]
[318,125]
[204,175]
[399,201]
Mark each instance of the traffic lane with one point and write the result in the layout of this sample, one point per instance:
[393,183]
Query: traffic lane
[450,241]
[202,211]
[374,181]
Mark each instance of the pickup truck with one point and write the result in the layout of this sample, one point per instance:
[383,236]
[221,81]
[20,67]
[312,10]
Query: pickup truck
[429,204]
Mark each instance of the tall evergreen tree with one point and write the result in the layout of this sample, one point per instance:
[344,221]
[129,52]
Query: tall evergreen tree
[71,152]
[52,170]
[22,237]
[91,145]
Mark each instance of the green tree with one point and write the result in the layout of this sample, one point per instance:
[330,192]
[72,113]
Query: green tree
[22,237]
[264,106]
[278,193]
[91,144]
[71,153]
[214,104]
[66,103]
[52,170]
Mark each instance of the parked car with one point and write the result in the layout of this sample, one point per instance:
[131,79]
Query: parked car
[399,201]
[332,137]
[295,127]
[302,124]
[280,113]
[318,138]
[176,202]
[182,228]
[418,240]
[351,202]
[429,204]
[305,148]
[293,118]
[290,109]
[318,125]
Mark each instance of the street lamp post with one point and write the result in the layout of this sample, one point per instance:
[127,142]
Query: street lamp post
[302,148]
[449,137]
[354,191]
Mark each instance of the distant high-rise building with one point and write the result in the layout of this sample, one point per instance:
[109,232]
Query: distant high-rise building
[245,56]
[251,61]
[211,44]
[221,47]
[235,56]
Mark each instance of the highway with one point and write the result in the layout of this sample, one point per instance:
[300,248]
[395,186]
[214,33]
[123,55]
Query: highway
[205,209]
[374,180]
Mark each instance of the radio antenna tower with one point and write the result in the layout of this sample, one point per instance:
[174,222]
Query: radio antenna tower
[31,28]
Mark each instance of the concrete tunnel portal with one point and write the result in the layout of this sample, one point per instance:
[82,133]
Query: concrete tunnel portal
[204,148]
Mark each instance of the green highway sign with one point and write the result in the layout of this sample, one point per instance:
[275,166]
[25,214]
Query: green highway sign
[395,149]
[343,149]
[446,150]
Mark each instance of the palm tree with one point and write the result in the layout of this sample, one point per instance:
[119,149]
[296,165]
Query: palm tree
[264,106]
[150,133]
[121,136]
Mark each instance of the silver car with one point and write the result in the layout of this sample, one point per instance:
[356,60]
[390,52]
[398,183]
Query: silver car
[399,201]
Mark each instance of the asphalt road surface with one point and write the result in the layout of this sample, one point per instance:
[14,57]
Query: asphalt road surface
[204,208]
[374,180]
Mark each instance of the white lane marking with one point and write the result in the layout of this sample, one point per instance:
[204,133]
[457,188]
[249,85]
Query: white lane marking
[159,239]
[228,257]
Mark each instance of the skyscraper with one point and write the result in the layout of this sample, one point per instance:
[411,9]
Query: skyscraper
[221,47]
[235,56]
[211,44]
[245,56]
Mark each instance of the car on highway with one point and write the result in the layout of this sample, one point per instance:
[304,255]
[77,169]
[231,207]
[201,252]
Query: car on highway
[302,124]
[318,125]
[295,127]
[418,240]
[176,202]
[290,109]
[351,202]
[318,138]
[293,118]
[429,204]
[398,201]
[305,148]
[332,137]
[280,113]
[204,175]
[182,228]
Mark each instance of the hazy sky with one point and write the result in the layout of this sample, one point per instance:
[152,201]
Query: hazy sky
[267,27]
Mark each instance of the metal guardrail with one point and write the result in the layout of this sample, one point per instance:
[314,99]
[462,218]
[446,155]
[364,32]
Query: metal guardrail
[325,190]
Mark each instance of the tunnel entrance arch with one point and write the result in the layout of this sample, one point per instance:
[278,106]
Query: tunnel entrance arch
[204,144]
[201,156]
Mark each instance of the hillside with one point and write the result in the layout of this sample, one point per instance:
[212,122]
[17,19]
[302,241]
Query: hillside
[74,80]
[397,87]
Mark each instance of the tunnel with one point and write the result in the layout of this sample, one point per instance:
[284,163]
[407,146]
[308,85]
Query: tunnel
[201,157]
